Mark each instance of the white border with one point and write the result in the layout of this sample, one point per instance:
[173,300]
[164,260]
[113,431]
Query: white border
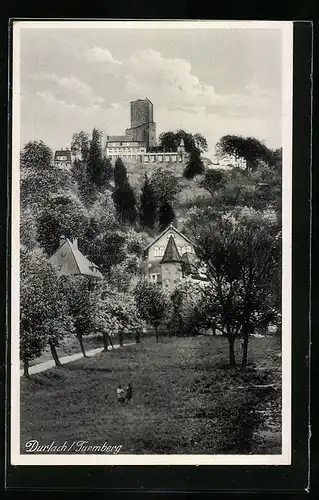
[287,65]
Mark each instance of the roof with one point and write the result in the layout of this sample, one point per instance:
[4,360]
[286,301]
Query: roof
[62,152]
[83,264]
[119,138]
[145,99]
[170,227]
[171,253]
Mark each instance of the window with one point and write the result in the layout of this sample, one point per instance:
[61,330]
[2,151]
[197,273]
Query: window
[156,250]
[161,251]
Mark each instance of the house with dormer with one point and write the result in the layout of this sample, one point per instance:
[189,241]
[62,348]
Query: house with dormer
[68,260]
[168,259]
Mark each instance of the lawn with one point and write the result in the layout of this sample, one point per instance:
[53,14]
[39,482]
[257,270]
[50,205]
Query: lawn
[185,399]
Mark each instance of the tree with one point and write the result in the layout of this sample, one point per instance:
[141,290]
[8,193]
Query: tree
[125,203]
[97,169]
[82,294]
[103,241]
[148,206]
[169,141]
[37,155]
[214,180]
[200,142]
[249,148]
[241,250]
[166,215]
[43,318]
[80,146]
[62,215]
[164,185]
[119,313]
[120,173]
[194,166]
[152,304]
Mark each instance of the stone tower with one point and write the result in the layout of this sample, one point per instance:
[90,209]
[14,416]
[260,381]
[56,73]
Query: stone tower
[171,266]
[143,128]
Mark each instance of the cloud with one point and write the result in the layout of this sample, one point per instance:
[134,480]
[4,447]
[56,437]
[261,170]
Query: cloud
[49,96]
[99,55]
[69,90]
[173,85]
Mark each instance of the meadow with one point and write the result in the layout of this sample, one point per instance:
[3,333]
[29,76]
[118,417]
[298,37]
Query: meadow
[185,399]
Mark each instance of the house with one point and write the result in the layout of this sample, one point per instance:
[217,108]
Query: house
[63,158]
[168,259]
[68,260]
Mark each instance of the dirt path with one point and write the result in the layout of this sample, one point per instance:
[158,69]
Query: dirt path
[47,365]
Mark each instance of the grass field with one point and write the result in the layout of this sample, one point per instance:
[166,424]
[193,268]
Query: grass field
[185,399]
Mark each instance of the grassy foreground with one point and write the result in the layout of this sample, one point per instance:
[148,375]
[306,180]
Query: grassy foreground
[185,399]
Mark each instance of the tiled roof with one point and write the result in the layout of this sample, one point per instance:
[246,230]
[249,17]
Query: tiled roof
[76,263]
[171,253]
[119,138]
[170,227]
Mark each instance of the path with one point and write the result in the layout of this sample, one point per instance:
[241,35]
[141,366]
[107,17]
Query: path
[47,365]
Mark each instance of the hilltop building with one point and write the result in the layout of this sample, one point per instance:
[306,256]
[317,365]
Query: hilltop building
[137,143]
[62,158]
[167,260]
[68,260]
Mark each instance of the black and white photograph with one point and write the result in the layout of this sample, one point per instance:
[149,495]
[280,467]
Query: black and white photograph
[151,243]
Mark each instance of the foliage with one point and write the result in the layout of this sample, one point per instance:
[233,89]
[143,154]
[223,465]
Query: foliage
[152,303]
[120,173]
[214,180]
[80,146]
[169,141]
[166,215]
[194,166]
[241,252]
[63,215]
[39,177]
[164,185]
[148,206]
[98,169]
[125,203]
[103,242]
[43,316]
[249,148]
[37,155]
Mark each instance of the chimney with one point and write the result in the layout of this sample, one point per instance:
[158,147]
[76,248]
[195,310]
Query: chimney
[62,240]
[75,242]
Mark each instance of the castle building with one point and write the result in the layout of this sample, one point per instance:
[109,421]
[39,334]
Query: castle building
[62,158]
[136,145]
[143,128]
[68,260]
[167,260]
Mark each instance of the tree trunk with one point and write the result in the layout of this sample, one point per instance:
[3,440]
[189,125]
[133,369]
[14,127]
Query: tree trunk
[156,332]
[54,354]
[232,359]
[105,343]
[80,339]
[245,346]
[121,339]
[110,339]
[26,368]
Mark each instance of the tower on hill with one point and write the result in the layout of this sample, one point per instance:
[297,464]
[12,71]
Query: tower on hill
[143,128]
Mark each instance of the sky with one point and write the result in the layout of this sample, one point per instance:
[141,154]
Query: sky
[215,82]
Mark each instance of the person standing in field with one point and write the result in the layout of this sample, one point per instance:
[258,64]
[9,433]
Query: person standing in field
[120,393]
[129,393]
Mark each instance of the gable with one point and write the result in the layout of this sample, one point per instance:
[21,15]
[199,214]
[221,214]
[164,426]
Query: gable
[68,260]
[156,250]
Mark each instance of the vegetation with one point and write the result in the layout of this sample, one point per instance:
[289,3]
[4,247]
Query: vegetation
[185,399]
